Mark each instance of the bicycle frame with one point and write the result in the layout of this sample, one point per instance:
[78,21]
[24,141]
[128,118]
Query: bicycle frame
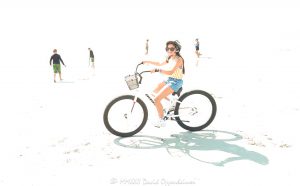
[172,100]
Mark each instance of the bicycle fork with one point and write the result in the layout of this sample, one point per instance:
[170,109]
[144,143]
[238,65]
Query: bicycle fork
[134,102]
[127,115]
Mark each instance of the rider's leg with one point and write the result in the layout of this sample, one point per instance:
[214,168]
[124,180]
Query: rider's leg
[158,88]
[157,101]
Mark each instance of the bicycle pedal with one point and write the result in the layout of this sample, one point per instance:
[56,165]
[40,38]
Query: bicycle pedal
[169,118]
[170,112]
[166,118]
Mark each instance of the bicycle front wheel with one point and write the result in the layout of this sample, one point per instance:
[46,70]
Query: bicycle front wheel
[195,110]
[124,116]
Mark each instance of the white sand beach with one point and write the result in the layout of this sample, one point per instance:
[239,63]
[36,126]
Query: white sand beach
[53,134]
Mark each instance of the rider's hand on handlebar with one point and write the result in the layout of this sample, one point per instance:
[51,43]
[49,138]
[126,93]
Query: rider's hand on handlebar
[145,63]
[155,70]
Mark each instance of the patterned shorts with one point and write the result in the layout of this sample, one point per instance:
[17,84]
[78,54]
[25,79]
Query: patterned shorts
[56,68]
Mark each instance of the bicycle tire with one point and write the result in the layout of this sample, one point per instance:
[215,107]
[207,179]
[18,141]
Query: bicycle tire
[203,125]
[129,133]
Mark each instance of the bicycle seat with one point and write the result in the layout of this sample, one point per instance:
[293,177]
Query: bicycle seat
[178,92]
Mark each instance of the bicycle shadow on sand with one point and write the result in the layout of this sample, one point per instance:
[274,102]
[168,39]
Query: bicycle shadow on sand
[197,144]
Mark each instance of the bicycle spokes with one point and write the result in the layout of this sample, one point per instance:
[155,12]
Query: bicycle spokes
[196,110]
[125,116]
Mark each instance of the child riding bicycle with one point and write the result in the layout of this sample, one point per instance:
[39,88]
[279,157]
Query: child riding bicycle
[175,77]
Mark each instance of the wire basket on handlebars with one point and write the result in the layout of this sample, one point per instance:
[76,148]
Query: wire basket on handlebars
[132,81]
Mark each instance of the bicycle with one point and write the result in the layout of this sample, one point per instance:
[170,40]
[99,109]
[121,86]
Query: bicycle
[127,115]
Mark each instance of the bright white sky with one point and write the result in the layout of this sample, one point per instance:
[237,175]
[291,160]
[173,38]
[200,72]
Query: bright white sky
[150,3]
[117,28]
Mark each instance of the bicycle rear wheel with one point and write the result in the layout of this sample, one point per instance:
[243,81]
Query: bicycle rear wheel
[125,117]
[195,110]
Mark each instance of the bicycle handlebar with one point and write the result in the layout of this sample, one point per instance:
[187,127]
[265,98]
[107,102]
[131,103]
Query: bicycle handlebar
[140,73]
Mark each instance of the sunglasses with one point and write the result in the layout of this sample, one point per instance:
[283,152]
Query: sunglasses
[172,49]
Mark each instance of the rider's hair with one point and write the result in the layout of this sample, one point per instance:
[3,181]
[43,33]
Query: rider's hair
[177,46]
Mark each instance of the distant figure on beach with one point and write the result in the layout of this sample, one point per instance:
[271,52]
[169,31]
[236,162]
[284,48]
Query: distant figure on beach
[147,47]
[56,64]
[92,61]
[91,58]
[197,47]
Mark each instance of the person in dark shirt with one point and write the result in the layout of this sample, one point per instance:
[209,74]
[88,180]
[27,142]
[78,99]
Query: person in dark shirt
[197,47]
[56,64]
[92,59]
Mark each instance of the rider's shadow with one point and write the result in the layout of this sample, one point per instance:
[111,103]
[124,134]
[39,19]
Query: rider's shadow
[191,143]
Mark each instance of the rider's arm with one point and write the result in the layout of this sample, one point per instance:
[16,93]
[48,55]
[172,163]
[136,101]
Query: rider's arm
[155,63]
[179,63]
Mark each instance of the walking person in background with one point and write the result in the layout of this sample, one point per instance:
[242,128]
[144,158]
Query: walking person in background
[175,75]
[147,47]
[56,64]
[197,47]
[92,60]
